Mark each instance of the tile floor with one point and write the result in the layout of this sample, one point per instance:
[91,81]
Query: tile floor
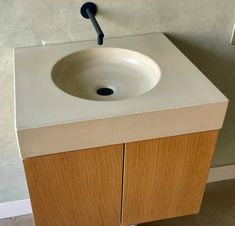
[218,209]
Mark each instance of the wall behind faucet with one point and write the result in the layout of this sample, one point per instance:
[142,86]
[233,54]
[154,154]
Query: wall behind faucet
[200,28]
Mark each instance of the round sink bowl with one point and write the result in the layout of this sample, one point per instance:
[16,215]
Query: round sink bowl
[106,74]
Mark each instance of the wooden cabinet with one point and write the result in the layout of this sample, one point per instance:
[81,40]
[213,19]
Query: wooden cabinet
[121,184]
[78,188]
[166,177]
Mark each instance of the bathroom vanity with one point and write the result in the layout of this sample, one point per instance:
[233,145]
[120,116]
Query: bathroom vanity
[116,135]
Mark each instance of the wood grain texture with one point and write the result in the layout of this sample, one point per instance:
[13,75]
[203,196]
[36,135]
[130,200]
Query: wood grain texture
[78,188]
[166,177]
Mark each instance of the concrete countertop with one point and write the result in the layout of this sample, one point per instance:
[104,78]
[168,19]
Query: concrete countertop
[50,121]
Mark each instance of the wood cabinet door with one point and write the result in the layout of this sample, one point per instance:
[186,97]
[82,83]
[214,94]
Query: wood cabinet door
[78,188]
[166,177]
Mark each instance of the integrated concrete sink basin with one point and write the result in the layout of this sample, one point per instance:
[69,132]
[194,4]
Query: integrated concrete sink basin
[74,96]
[106,74]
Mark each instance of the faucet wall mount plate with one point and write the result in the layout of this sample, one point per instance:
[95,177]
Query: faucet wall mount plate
[88,6]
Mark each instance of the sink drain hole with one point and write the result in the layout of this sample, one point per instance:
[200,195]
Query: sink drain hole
[104,91]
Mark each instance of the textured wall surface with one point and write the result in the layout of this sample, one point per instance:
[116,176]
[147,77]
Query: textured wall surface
[200,28]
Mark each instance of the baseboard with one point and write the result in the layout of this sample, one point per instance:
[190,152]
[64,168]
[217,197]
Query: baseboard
[221,173]
[15,208]
[23,207]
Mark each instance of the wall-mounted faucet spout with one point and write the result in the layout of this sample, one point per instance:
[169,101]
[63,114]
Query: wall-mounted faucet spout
[88,11]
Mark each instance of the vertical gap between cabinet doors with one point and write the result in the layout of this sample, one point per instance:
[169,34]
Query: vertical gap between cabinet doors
[122,194]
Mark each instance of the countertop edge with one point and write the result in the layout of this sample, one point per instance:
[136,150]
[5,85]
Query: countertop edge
[108,131]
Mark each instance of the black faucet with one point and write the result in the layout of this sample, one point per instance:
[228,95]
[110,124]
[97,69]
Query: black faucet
[88,11]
